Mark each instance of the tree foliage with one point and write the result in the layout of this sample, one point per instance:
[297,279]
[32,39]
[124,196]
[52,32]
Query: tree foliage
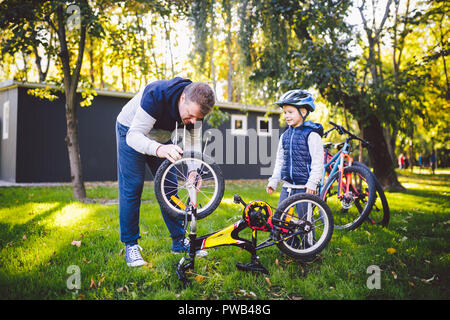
[386,76]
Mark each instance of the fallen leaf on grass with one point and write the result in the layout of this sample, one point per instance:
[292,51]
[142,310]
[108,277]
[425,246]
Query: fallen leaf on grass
[86,261]
[268,281]
[199,278]
[92,285]
[76,243]
[394,274]
[295,298]
[249,294]
[101,280]
[24,237]
[123,288]
[434,277]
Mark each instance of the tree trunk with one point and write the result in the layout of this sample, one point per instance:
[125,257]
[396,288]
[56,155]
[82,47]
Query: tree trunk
[91,61]
[390,141]
[70,85]
[73,147]
[372,131]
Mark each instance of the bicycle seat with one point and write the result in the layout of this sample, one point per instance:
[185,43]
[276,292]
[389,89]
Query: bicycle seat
[339,145]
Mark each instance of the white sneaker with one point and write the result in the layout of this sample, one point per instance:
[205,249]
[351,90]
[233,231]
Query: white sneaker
[133,256]
[183,247]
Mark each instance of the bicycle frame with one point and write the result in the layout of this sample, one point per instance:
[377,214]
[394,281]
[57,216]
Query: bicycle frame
[338,159]
[225,237]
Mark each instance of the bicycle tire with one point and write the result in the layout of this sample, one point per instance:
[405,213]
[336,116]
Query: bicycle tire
[340,209]
[208,165]
[293,248]
[375,218]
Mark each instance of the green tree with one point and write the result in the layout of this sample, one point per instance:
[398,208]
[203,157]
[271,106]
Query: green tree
[70,21]
[308,44]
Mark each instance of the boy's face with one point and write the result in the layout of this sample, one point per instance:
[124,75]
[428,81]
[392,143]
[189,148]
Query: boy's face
[292,115]
[189,111]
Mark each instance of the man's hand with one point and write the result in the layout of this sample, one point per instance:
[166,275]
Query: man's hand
[269,190]
[310,191]
[169,151]
[191,178]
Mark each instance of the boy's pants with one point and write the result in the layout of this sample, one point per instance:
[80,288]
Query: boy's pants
[301,209]
[287,192]
[130,174]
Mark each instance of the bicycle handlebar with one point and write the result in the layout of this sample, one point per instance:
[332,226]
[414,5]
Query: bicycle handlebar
[342,130]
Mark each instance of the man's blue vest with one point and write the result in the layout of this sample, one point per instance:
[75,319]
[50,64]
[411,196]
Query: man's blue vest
[297,159]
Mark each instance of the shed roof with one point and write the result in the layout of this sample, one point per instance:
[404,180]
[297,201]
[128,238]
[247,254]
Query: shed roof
[9,84]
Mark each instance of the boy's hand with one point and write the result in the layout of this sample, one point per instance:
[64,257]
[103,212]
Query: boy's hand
[269,190]
[310,191]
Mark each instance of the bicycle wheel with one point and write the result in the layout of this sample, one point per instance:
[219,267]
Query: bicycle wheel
[380,213]
[353,205]
[172,181]
[303,225]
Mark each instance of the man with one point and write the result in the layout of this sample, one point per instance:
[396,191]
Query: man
[143,131]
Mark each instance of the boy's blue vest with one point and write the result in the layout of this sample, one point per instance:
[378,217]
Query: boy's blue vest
[297,159]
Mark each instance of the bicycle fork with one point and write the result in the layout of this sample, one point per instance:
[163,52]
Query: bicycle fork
[184,265]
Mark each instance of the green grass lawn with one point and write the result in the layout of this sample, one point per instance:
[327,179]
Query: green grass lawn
[43,231]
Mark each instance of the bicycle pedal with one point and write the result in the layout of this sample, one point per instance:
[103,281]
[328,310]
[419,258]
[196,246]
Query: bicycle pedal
[253,267]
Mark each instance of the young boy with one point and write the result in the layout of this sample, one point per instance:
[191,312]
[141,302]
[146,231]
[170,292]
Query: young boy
[299,161]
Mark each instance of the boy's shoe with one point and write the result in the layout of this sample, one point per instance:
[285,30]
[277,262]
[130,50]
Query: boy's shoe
[182,246]
[133,255]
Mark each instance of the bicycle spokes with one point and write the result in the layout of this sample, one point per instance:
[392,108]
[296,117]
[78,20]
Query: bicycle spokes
[347,198]
[301,225]
[182,175]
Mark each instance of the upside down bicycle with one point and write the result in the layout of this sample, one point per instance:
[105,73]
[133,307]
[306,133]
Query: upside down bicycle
[300,227]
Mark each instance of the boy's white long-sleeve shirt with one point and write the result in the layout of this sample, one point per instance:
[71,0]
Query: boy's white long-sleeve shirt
[315,146]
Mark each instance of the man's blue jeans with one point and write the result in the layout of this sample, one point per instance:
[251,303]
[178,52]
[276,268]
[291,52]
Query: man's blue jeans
[130,174]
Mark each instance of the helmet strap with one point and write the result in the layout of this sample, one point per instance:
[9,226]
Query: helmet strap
[301,115]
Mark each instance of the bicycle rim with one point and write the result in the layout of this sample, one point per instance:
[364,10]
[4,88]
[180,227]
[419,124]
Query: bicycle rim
[380,213]
[312,241]
[352,205]
[176,195]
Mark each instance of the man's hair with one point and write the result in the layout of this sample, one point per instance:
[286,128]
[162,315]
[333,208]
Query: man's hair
[201,93]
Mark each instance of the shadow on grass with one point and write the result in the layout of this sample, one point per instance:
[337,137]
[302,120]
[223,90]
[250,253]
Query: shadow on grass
[31,227]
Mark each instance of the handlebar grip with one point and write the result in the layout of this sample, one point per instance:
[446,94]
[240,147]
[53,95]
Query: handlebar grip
[333,124]
[237,199]
[367,144]
[338,127]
